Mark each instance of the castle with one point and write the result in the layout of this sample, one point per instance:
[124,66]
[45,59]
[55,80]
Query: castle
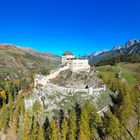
[75,64]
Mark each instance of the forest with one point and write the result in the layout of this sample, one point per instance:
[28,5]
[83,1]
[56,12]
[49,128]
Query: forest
[112,60]
[80,123]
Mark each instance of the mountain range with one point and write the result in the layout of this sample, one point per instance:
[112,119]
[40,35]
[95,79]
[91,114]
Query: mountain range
[130,47]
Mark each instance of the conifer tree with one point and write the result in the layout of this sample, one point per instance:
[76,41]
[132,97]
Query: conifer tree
[3,95]
[84,125]
[78,115]
[46,127]
[94,122]
[72,124]
[64,130]
[34,129]
[10,106]
[125,107]
[111,126]
[40,132]
[61,117]
[27,127]
[20,103]
[37,108]
[16,119]
[54,130]
[4,120]
[19,110]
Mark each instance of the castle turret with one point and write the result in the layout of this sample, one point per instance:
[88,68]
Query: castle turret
[66,57]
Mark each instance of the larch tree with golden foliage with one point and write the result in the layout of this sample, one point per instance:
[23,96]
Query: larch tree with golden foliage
[27,127]
[64,130]
[72,124]
[54,130]
[84,125]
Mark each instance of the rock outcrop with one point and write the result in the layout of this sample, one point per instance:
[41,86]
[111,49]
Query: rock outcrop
[68,78]
[66,89]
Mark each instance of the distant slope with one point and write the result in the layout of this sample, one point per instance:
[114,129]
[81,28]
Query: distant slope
[114,59]
[15,61]
[49,57]
[131,47]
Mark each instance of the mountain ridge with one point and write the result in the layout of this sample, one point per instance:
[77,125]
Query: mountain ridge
[15,61]
[130,47]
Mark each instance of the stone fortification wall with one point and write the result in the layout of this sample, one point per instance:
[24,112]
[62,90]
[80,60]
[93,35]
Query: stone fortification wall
[43,80]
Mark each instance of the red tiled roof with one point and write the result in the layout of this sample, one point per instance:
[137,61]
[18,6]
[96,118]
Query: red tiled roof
[67,53]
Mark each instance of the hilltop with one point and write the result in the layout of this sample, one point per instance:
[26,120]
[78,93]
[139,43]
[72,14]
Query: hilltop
[45,55]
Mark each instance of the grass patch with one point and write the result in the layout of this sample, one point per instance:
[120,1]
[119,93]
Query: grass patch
[130,72]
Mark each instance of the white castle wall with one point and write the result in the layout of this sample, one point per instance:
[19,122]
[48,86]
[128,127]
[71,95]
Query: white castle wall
[76,65]
[56,88]
[56,73]
[43,80]
[65,59]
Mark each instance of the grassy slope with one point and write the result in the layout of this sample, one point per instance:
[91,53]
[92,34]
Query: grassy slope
[130,72]
[15,61]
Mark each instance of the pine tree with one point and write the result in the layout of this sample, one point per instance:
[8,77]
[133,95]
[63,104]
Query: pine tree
[46,127]
[78,115]
[19,110]
[4,120]
[125,107]
[64,130]
[54,130]
[27,127]
[37,108]
[10,106]
[84,125]
[111,126]
[72,124]
[94,122]
[20,103]
[3,95]
[16,119]
[34,129]
[40,132]
[61,117]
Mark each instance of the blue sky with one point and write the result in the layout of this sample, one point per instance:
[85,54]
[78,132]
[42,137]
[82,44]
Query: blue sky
[81,26]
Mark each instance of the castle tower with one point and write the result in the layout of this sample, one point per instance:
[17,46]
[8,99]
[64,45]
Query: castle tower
[66,57]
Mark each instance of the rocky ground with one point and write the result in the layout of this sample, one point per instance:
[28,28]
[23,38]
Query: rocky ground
[68,78]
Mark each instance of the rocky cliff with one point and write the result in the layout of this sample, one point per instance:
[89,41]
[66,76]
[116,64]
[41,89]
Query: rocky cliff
[68,78]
